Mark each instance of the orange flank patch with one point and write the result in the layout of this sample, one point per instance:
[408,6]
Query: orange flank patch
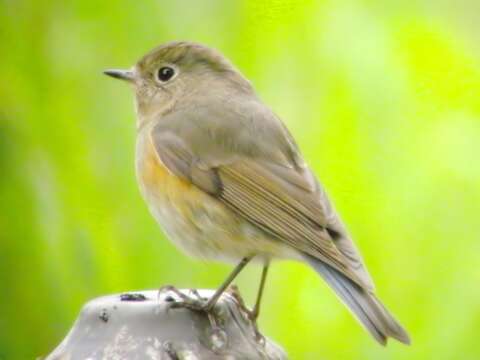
[159,180]
[156,174]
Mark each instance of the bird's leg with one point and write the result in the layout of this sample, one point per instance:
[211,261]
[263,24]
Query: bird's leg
[197,304]
[213,300]
[256,309]
[253,315]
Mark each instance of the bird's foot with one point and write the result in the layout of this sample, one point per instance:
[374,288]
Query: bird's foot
[252,315]
[195,302]
[258,336]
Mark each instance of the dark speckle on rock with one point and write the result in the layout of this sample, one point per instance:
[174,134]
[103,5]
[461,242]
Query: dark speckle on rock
[104,315]
[132,297]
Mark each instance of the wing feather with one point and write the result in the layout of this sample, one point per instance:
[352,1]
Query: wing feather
[281,200]
[258,197]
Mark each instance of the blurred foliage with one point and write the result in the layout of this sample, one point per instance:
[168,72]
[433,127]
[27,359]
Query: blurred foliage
[382,96]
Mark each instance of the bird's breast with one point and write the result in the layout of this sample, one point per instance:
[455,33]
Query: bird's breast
[193,220]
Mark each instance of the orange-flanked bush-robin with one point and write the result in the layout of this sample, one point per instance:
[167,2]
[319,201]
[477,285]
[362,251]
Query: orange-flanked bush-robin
[226,180]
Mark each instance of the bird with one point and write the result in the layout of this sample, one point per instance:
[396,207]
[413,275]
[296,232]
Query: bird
[226,181]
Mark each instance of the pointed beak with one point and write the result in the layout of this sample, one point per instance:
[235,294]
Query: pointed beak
[126,75]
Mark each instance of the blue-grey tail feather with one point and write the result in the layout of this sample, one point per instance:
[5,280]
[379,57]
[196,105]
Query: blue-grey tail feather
[363,304]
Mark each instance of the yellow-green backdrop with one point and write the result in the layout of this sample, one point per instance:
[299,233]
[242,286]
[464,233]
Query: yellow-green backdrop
[382,96]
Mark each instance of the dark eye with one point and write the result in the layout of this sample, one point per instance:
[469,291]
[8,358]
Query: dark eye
[165,73]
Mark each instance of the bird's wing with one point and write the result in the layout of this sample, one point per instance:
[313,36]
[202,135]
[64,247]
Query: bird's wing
[284,201]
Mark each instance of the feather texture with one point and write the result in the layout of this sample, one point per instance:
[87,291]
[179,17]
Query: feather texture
[362,303]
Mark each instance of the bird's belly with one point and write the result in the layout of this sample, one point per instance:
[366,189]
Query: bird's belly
[195,221]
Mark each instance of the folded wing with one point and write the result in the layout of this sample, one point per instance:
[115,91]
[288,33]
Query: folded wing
[283,200]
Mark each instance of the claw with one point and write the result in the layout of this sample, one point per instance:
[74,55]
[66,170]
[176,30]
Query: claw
[185,300]
[252,315]
[196,303]
[167,288]
[197,295]
[191,304]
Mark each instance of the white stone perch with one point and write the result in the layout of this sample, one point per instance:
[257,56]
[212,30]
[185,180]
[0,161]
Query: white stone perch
[148,325]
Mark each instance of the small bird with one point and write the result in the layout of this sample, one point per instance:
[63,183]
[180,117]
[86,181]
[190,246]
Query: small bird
[226,181]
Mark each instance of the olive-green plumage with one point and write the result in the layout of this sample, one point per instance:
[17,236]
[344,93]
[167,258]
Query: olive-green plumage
[225,179]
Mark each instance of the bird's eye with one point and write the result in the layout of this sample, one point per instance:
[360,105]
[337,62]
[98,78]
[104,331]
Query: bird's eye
[165,73]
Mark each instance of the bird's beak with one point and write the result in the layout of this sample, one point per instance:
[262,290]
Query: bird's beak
[127,75]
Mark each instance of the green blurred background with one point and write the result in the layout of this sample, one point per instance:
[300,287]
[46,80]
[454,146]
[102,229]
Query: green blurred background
[382,96]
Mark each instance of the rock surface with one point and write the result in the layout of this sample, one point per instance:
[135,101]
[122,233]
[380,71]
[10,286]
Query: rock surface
[150,325]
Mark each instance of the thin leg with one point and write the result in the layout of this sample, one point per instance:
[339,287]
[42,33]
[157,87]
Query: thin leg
[256,309]
[213,300]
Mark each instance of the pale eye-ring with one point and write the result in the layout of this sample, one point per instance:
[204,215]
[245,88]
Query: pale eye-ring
[165,73]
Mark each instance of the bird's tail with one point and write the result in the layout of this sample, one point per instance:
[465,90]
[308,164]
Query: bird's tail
[362,303]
